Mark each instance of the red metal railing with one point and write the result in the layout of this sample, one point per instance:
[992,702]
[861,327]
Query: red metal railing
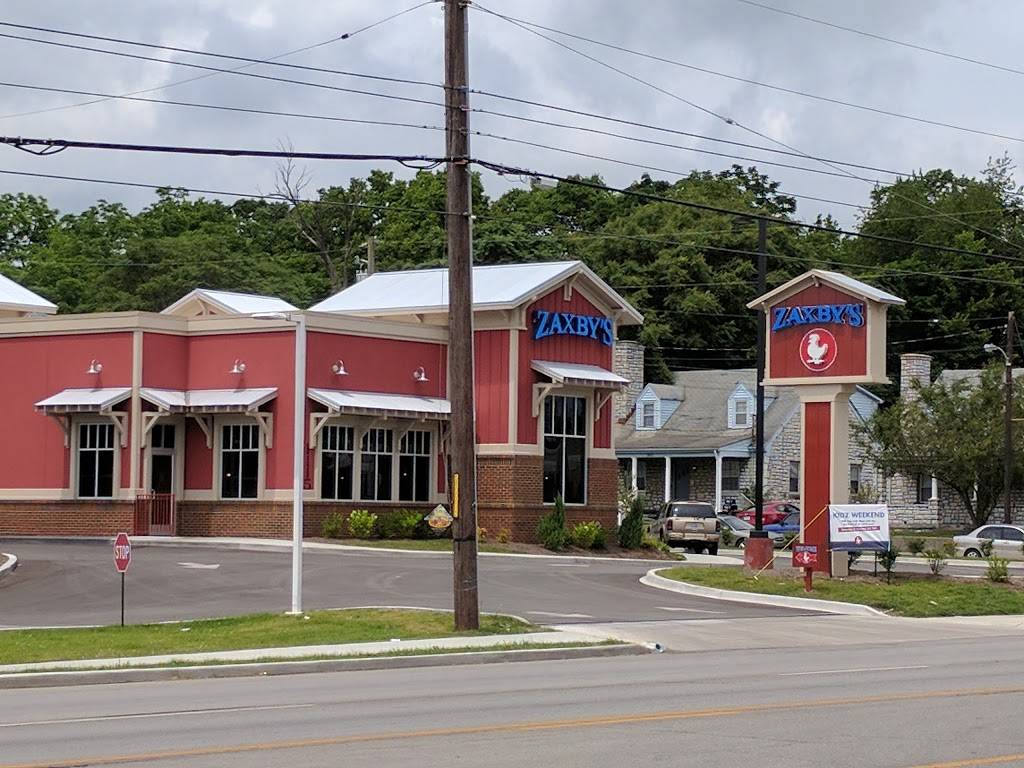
[155,514]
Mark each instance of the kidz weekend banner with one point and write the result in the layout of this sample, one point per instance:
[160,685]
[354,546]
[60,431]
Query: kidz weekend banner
[859,527]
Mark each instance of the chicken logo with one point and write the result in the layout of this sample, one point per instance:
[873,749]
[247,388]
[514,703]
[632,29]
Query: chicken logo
[818,350]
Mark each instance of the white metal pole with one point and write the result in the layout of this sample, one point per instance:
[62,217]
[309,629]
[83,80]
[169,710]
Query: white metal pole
[298,447]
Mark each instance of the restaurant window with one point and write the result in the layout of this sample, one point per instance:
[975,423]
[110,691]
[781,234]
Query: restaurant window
[731,469]
[337,453]
[647,420]
[239,461]
[161,436]
[854,479]
[794,477]
[376,459]
[414,466]
[96,461]
[565,442]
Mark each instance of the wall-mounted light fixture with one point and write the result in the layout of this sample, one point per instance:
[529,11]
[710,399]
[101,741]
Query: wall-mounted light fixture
[339,368]
[238,368]
[95,367]
[420,375]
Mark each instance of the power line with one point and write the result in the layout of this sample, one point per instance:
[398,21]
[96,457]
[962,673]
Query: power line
[528,27]
[175,83]
[53,146]
[883,38]
[212,54]
[748,81]
[220,70]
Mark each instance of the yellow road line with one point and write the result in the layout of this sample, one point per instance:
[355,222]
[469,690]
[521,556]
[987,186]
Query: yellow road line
[976,761]
[542,725]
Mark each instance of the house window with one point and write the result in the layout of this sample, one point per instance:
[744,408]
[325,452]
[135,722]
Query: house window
[414,466]
[924,488]
[731,469]
[162,436]
[647,420]
[741,412]
[239,461]
[565,442]
[96,461]
[376,456]
[854,479]
[641,476]
[794,477]
[336,461]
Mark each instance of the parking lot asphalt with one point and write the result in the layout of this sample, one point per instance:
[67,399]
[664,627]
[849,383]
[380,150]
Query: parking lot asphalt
[75,583]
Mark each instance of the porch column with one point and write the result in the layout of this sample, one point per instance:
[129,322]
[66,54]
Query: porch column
[718,481]
[935,489]
[668,478]
[632,473]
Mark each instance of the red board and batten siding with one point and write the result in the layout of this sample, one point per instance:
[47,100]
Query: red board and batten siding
[851,343]
[817,461]
[563,349]
[491,368]
[36,367]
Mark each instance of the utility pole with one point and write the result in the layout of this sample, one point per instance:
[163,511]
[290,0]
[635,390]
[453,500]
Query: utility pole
[371,255]
[762,287]
[462,440]
[1008,424]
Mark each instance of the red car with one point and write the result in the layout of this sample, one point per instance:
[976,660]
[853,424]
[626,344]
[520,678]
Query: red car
[774,512]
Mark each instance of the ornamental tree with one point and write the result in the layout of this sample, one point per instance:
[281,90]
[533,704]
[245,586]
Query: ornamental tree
[952,431]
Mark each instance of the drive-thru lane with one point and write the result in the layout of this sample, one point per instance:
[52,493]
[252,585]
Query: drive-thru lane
[61,584]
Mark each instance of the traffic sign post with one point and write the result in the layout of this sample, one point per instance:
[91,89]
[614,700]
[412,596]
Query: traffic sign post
[122,559]
[806,556]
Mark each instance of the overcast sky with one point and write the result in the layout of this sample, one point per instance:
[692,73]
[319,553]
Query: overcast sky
[723,35]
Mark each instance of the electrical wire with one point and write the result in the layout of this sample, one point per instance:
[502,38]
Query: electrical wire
[175,83]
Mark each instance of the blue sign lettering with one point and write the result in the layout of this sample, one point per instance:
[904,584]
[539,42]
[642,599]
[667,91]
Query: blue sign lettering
[568,324]
[818,314]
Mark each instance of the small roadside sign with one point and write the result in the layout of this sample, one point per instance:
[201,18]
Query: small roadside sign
[122,552]
[439,519]
[805,555]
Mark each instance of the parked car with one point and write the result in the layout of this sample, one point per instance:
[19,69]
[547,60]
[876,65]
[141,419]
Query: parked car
[774,512]
[790,524]
[1007,541]
[689,524]
[741,531]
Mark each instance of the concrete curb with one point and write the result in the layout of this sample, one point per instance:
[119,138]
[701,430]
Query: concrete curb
[652,579]
[106,677]
[9,564]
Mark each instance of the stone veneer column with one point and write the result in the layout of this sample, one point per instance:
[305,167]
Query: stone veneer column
[628,362]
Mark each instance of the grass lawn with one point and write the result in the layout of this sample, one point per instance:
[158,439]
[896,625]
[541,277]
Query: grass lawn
[908,595]
[263,630]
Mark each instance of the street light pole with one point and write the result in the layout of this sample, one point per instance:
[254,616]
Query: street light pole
[1008,426]
[298,447]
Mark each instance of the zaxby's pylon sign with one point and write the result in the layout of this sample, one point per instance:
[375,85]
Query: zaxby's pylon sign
[826,333]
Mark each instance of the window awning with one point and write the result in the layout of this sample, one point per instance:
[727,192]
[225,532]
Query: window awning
[381,404]
[579,375]
[83,400]
[208,400]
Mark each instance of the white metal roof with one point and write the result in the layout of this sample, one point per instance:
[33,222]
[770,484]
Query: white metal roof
[579,374]
[501,286]
[837,280]
[84,400]
[207,400]
[381,404]
[230,303]
[14,296]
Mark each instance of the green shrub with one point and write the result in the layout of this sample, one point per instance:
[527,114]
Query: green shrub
[504,535]
[481,535]
[551,529]
[916,546]
[654,543]
[600,538]
[937,558]
[333,526]
[631,532]
[585,535]
[728,538]
[362,523]
[998,569]
[986,547]
[403,524]
[888,561]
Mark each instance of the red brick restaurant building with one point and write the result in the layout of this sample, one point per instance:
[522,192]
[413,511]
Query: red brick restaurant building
[182,421]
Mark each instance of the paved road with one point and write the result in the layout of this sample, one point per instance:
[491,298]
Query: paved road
[940,704]
[63,584]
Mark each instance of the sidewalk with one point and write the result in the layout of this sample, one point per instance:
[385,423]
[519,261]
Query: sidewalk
[485,642]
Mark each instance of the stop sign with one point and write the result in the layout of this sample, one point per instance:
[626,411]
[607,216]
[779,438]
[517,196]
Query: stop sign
[122,552]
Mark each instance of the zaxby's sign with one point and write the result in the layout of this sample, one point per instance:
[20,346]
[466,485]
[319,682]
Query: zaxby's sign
[568,324]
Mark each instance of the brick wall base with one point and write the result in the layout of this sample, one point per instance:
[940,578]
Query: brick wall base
[65,518]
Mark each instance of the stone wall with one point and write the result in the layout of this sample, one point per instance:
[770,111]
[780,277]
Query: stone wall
[628,362]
